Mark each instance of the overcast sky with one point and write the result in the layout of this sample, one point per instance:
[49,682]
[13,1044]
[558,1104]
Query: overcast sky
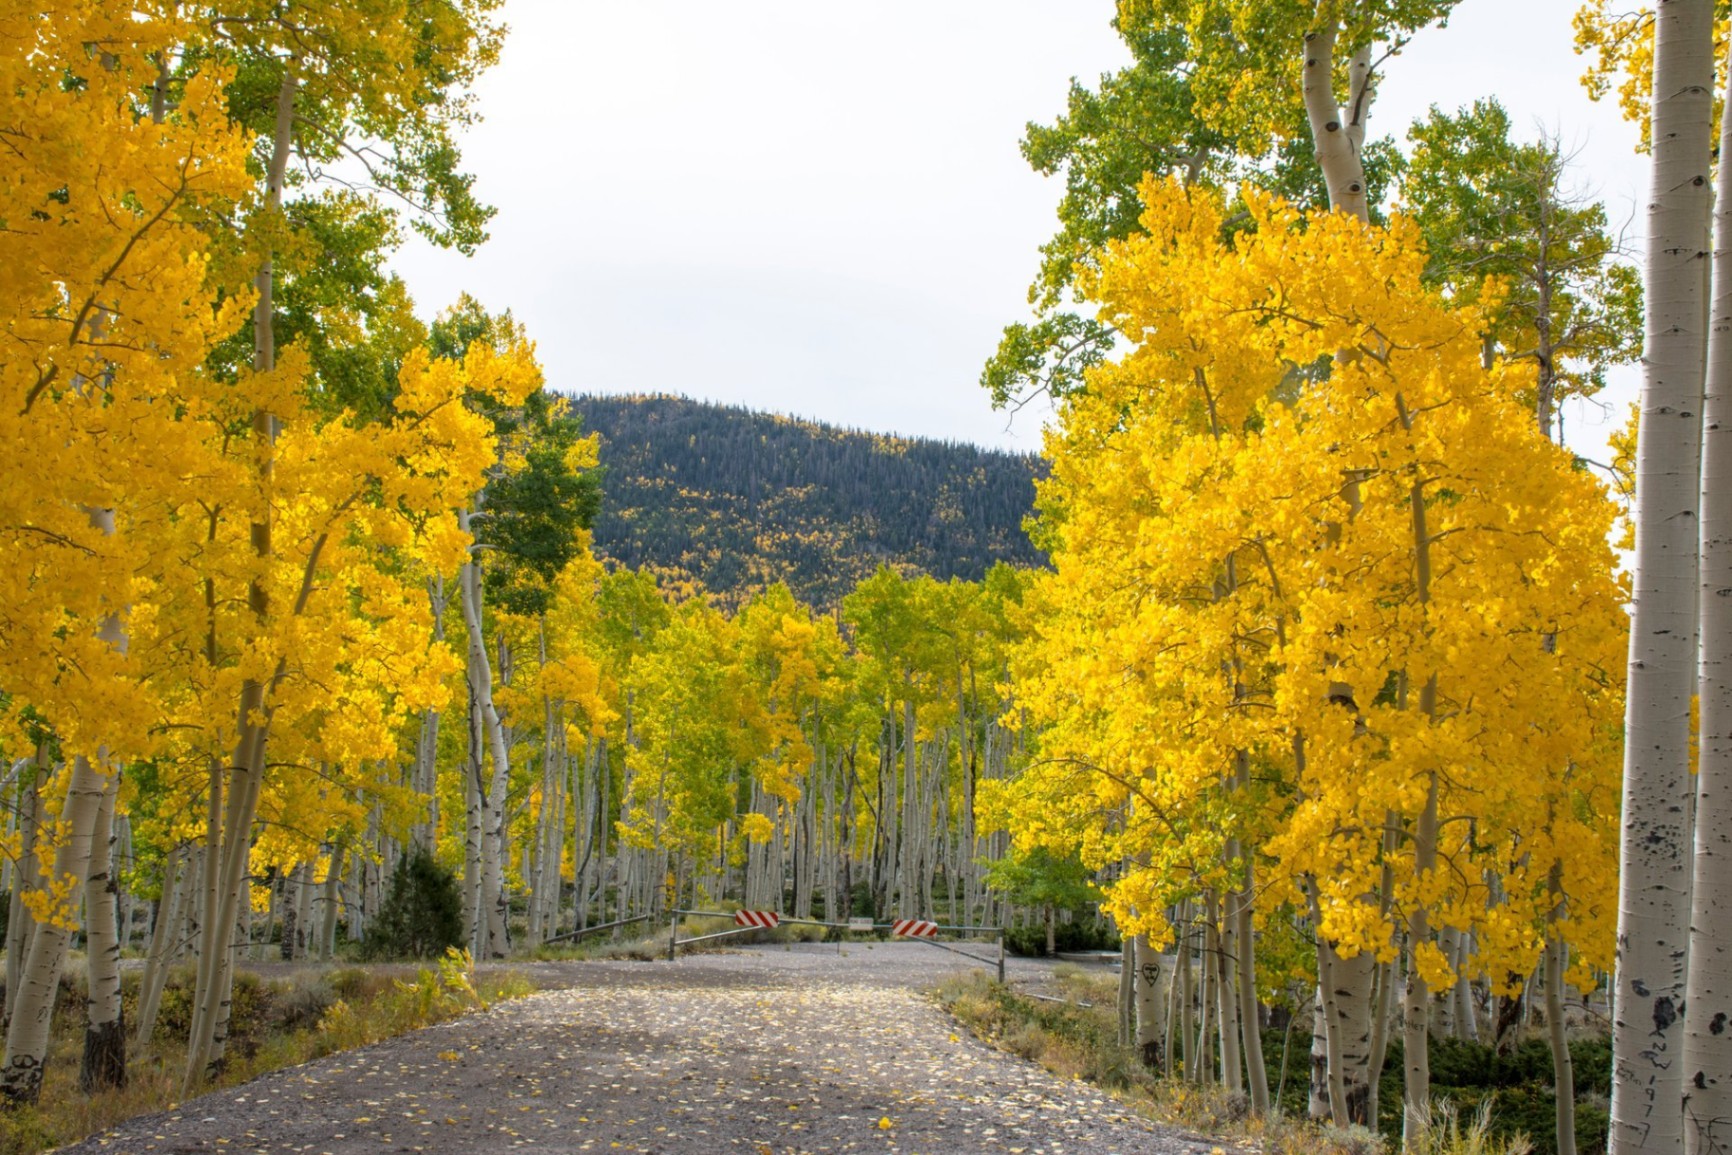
[820,209]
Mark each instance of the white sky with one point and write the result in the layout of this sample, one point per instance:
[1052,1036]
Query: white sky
[819,208]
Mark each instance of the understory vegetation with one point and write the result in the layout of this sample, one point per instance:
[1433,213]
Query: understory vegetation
[276,1022]
[1486,1103]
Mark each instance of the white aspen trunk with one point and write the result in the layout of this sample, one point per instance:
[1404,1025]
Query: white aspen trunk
[1648,1061]
[907,859]
[303,937]
[1205,1072]
[1443,1010]
[1338,133]
[328,923]
[1563,1067]
[497,847]
[104,1063]
[15,788]
[1382,1005]
[1320,1106]
[1416,1009]
[1708,1002]
[33,1005]
[1172,1041]
[20,925]
[491,937]
[1354,1007]
[1250,1018]
[1127,996]
[423,834]
[124,864]
[187,936]
[1227,999]
[585,852]
[1186,978]
[473,825]
[603,789]
[176,874]
[1462,1013]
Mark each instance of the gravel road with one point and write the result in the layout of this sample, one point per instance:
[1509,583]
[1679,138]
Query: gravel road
[768,1050]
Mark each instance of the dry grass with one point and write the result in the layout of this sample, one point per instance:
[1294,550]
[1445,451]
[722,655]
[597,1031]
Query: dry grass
[1081,1042]
[277,1024]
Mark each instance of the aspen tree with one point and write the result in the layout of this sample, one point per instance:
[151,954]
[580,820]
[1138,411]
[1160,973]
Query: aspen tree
[1123,668]
[400,75]
[1654,903]
[1707,1061]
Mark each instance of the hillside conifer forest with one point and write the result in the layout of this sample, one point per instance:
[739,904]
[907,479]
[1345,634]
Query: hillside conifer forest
[1382,733]
[726,500]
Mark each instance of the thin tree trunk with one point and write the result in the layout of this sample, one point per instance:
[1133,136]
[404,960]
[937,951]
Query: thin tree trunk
[105,1031]
[1654,882]
[1250,1019]
[1563,1068]
[1416,1010]
[491,938]
[1206,1008]
[328,923]
[1708,1006]
[1187,981]
[473,825]
[1226,997]
[176,876]
[20,924]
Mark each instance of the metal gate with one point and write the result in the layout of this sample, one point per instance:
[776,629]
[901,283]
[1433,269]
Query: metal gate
[915,930]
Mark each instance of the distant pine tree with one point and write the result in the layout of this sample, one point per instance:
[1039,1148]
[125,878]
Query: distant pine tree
[734,500]
[422,914]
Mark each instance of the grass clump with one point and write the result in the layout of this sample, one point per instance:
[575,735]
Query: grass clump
[1441,1132]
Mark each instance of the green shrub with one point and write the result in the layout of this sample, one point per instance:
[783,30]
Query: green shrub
[1081,933]
[422,915]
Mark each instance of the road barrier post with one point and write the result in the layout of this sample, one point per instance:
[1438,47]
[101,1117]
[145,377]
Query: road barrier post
[1001,956]
[673,934]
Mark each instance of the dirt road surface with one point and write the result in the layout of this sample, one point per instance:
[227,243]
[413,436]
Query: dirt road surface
[767,1050]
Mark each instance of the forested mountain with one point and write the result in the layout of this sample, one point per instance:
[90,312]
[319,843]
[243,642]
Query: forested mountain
[734,499]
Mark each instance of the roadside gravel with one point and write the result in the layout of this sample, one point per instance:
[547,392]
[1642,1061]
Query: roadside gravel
[768,1050]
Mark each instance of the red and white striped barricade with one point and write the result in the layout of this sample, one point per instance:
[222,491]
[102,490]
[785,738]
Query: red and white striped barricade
[761,919]
[914,928]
